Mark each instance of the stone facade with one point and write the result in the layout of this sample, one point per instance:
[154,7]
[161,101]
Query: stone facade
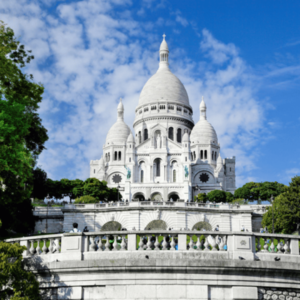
[278,294]
[168,156]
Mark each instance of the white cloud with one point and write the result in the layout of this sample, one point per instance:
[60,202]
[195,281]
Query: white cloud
[182,21]
[95,56]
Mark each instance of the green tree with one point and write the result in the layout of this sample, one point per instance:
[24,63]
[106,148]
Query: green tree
[249,191]
[99,190]
[268,189]
[86,199]
[286,210]
[201,197]
[229,197]
[216,196]
[16,283]
[22,135]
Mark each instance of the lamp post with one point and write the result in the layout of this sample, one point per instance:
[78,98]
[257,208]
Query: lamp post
[118,191]
[272,201]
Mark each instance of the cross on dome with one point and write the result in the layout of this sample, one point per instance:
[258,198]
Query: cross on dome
[164,36]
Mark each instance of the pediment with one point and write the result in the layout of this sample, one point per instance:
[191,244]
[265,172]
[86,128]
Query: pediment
[145,145]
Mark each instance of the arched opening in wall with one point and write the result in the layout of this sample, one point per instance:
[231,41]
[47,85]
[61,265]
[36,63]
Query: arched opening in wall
[108,156]
[157,167]
[179,135]
[142,168]
[174,196]
[140,137]
[201,154]
[145,134]
[215,155]
[205,154]
[116,155]
[156,197]
[202,225]
[174,175]
[139,196]
[120,155]
[157,225]
[171,133]
[111,226]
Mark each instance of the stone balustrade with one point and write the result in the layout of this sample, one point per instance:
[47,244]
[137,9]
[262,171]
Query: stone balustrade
[233,245]
[223,206]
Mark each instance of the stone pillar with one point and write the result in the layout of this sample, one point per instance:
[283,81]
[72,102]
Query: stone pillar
[127,190]
[186,189]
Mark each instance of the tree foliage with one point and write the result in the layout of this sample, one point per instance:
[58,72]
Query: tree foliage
[254,191]
[22,135]
[286,210]
[16,283]
[86,199]
[216,196]
[201,197]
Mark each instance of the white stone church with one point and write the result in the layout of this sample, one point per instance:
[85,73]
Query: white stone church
[169,156]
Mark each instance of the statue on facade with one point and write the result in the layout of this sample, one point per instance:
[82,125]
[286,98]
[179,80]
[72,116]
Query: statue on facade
[186,172]
[128,172]
[158,141]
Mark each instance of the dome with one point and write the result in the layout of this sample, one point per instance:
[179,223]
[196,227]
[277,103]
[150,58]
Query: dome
[164,86]
[119,132]
[203,133]
[130,138]
[185,138]
[164,45]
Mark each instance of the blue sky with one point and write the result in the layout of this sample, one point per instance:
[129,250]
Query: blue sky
[242,56]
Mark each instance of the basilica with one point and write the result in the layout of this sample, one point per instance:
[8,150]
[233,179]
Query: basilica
[169,156]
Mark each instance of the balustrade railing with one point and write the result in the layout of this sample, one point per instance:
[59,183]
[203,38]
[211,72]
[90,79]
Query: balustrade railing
[161,240]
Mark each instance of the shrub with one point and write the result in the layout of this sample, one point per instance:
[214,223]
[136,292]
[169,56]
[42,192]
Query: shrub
[216,196]
[86,199]
[201,197]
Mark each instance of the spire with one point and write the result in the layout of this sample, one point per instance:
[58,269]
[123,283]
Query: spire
[202,110]
[120,110]
[164,53]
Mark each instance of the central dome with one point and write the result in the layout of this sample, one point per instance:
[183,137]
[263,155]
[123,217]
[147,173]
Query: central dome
[164,86]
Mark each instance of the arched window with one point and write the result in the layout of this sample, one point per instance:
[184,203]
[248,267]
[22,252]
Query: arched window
[174,175]
[116,155]
[108,156]
[201,154]
[215,155]
[230,169]
[95,171]
[129,159]
[179,135]
[212,155]
[140,137]
[142,176]
[205,154]
[130,146]
[120,155]
[185,158]
[157,169]
[171,133]
[145,134]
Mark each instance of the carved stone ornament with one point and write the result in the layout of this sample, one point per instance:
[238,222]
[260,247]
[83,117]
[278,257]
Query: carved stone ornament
[112,218]
[204,177]
[117,178]
[243,242]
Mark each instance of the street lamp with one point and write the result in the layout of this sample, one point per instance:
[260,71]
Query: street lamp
[272,200]
[118,191]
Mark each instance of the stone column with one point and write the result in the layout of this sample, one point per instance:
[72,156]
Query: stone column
[127,190]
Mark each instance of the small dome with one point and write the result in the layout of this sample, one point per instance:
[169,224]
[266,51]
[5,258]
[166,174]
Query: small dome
[203,133]
[202,105]
[164,45]
[185,138]
[130,138]
[118,133]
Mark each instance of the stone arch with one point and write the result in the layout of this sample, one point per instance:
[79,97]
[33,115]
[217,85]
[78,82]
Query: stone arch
[202,225]
[156,196]
[111,226]
[157,225]
[139,196]
[174,196]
